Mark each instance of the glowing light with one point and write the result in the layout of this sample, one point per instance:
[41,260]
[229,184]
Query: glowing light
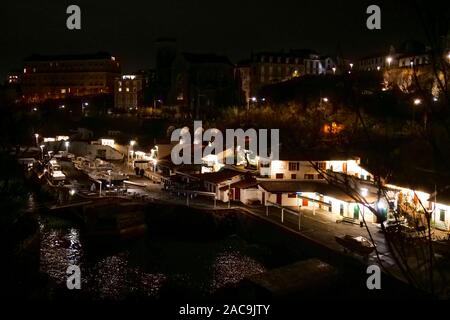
[72,192]
[107,142]
[132,143]
[381,205]
[364,192]
[389,60]
[417,102]
[378,68]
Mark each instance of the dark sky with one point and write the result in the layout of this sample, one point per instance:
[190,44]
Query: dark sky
[128,28]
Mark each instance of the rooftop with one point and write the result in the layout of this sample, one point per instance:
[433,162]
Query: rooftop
[221,176]
[314,155]
[67,57]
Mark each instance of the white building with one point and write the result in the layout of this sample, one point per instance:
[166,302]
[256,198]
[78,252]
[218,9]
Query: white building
[309,166]
[315,195]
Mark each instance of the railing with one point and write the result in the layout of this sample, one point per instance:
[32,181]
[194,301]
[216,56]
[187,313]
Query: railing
[283,209]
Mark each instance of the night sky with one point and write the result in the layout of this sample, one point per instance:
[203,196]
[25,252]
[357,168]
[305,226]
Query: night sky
[129,28]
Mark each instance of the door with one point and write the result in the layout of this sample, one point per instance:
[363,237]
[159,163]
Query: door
[344,167]
[304,202]
[356,212]
[279,198]
[237,195]
[263,200]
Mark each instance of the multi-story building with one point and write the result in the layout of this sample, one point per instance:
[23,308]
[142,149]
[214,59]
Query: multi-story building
[409,54]
[413,60]
[60,76]
[128,93]
[273,67]
[202,81]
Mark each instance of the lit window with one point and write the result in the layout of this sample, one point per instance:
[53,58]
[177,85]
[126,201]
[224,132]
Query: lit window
[128,89]
[63,90]
[120,89]
[442,215]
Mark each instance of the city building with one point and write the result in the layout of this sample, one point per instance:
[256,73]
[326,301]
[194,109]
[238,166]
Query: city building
[128,92]
[202,81]
[315,195]
[61,76]
[272,67]
[294,166]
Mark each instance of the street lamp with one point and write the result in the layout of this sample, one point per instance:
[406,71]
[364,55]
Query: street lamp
[132,143]
[417,101]
[36,135]
[334,70]
[325,99]
[378,68]
[67,143]
[351,65]
[389,61]
[42,150]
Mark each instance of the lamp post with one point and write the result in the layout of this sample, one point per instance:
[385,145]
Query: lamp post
[389,61]
[417,102]
[67,143]
[132,143]
[229,194]
[36,135]
[42,151]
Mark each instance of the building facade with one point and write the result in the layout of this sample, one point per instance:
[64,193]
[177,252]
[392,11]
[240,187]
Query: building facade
[128,92]
[61,76]
[202,81]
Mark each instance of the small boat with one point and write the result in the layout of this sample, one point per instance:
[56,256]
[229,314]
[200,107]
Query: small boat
[359,245]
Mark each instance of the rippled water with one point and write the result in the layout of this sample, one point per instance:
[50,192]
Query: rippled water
[150,266]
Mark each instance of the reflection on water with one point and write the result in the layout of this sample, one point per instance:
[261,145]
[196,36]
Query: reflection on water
[231,267]
[144,267]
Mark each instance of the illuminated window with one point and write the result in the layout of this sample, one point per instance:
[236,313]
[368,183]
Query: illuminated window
[442,215]
[120,89]
[294,166]
[128,89]
[63,90]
